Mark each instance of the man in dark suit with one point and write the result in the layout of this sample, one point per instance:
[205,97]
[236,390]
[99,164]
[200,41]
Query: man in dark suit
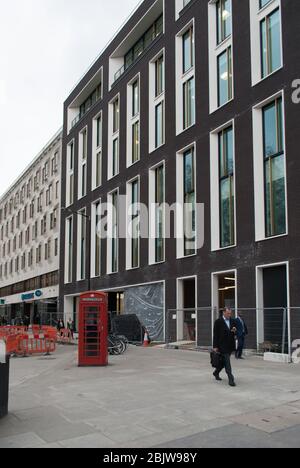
[224,343]
[242,332]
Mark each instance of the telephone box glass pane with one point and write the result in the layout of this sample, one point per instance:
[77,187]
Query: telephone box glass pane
[91,332]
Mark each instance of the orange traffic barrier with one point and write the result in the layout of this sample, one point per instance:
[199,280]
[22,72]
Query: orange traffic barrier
[65,336]
[29,346]
[37,340]
[12,343]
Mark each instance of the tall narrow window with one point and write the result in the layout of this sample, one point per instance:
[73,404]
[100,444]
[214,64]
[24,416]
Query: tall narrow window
[274,162]
[159,213]
[270,43]
[69,250]
[135,98]
[226,188]
[134,220]
[114,143]
[156,102]
[188,103]
[70,174]
[97,152]
[99,131]
[82,245]
[133,122]
[185,79]
[98,169]
[114,232]
[97,238]
[159,76]
[115,157]
[225,83]
[159,124]
[82,183]
[224,19]
[116,115]
[135,141]
[188,50]
[189,202]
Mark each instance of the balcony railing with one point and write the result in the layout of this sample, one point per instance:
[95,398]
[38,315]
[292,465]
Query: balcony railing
[153,33]
[81,114]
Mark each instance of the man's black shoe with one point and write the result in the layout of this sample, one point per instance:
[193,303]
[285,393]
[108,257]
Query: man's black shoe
[217,377]
[232,383]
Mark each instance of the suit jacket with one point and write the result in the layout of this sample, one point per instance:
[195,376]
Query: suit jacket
[224,339]
[240,331]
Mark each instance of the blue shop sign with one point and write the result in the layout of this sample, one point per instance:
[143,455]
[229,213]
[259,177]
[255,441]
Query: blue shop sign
[27,297]
[31,296]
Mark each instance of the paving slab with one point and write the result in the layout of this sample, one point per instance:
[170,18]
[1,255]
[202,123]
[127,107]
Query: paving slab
[271,420]
[94,440]
[25,440]
[233,436]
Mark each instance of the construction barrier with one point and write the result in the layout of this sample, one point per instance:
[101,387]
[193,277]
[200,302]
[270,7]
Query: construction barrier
[65,336]
[35,340]
[28,346]
[7,330]
[12,344]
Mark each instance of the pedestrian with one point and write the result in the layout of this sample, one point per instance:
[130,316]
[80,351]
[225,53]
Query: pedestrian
[60,326]
[224,343]
[241,333]
[26,321]
[70,326]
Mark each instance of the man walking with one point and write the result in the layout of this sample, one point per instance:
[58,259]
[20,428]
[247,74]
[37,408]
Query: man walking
[224,343]
[242,332]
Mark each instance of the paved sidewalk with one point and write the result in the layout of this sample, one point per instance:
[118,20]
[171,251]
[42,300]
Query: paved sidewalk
[150,398]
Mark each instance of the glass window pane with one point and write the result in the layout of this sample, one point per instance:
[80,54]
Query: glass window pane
[135,142]
[278,191]
[225,84]
[189,103]
[135,99]
[159,76]
[188,52]
[224,20]
[189,203]
[159,125]
[270,130]
[274,41]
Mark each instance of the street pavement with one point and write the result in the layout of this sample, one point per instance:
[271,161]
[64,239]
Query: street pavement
[150,398]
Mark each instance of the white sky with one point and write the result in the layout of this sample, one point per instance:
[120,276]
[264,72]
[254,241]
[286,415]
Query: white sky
[45,48]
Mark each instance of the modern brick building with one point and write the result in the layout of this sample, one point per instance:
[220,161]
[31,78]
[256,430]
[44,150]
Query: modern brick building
[190,102]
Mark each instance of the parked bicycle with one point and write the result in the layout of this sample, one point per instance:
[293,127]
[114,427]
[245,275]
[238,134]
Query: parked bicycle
[117,345]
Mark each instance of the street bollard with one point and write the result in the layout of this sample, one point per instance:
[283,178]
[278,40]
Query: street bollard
[4,380]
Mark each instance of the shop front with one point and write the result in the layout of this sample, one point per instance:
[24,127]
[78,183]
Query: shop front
[35,307]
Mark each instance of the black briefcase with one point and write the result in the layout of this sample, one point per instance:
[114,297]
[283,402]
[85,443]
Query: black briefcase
[216,360]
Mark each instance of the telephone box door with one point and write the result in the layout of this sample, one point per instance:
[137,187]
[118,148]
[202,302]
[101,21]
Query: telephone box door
[93,330]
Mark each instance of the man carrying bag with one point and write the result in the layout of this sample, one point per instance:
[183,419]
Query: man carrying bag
[224,345]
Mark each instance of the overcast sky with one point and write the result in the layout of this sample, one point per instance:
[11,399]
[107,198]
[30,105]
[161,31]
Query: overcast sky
[45,48]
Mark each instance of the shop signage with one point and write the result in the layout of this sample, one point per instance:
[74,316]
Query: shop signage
[31,296]
[27,297]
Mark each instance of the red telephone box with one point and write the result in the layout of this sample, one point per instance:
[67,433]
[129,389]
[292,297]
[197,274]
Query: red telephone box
[93,330]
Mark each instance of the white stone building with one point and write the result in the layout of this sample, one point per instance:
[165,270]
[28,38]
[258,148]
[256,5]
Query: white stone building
[29,238]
